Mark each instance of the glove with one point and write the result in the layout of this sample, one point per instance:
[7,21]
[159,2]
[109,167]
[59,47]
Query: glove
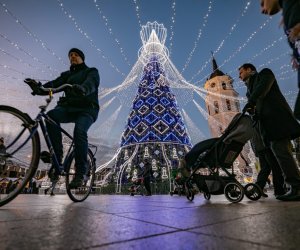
[250,108]
[35,86]
[79,90]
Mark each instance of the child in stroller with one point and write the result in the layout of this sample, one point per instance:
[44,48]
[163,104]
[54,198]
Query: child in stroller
[178,183]
[219,153]
[136,187]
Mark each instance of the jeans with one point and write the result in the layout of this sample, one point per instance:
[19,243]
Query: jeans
[82,121]
[283,153]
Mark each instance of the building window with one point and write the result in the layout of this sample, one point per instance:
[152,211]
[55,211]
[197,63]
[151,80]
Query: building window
[221,130]
[228,104]
[208,109]
[224,85]
[216,105]
[237,106]
[212,85]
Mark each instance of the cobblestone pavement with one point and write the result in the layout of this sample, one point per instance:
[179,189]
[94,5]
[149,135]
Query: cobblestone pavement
[153,222]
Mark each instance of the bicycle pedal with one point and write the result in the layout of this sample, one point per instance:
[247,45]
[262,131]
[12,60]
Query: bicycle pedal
[63,172]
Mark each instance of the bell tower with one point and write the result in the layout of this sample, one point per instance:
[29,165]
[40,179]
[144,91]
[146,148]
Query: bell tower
[221,100]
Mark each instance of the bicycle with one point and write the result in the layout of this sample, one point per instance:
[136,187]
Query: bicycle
[23,150]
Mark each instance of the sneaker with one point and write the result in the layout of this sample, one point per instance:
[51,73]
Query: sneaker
[52,194]
[263,194]
[53,176]
[75,183]
[46,191]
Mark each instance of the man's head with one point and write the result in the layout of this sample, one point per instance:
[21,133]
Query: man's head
[246,70]
[270,7]
[76,56]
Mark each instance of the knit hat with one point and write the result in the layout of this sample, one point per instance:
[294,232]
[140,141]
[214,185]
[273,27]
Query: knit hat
[78,51]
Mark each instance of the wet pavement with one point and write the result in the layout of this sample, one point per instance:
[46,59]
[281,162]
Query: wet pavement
[153,222]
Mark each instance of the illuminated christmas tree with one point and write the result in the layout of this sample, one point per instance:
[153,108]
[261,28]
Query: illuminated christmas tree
[155,128]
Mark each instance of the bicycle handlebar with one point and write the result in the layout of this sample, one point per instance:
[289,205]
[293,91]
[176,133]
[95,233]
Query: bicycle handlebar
[55,90]
[38,89]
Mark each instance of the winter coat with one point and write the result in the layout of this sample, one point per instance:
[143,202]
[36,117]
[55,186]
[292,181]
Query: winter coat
[275,117]
[291,16]
[89,79]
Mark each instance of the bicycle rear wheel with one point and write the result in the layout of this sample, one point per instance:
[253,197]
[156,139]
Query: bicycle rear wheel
[81,193]
[19,158]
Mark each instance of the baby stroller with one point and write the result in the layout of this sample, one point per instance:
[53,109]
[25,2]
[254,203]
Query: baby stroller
[219,153]
[179,187]
[136,187]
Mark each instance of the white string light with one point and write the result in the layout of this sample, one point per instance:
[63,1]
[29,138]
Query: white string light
[103,131]
[195,133]
[172,26]
[239,49]
[24,63]
[17,47]
[137,12]
[268,47]
[107,104]
[232,29]
[205,18]
[31,34]
[82,32]
[110,30]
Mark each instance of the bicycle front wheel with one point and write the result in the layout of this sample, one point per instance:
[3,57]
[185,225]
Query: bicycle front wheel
[19,152]
[81,193]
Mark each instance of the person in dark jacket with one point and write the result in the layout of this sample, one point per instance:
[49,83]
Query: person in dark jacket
[291,20]
[277,125]
[147,174]
[79,105]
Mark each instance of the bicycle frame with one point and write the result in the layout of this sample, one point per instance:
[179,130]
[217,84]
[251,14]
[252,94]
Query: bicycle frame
[41,118]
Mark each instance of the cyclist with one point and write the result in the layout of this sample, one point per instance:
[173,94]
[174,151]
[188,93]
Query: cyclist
[78,105]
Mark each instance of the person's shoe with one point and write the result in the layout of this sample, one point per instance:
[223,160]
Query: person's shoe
[53,176]
[52,194]
[148,195]
[292,195]
[263,194]
[76,183]
[279,193]
[45,191]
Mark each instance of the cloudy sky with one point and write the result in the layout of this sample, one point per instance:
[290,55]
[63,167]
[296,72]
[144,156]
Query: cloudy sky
[35,37]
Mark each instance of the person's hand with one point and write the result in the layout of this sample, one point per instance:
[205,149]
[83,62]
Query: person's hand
[34,85]
[250,108]
[294,62]
[78,89]
[294,33]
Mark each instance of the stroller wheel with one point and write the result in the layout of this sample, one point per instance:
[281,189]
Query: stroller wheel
[189,191]
[253,191]
[234,192]
[190,194]
[206,196]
